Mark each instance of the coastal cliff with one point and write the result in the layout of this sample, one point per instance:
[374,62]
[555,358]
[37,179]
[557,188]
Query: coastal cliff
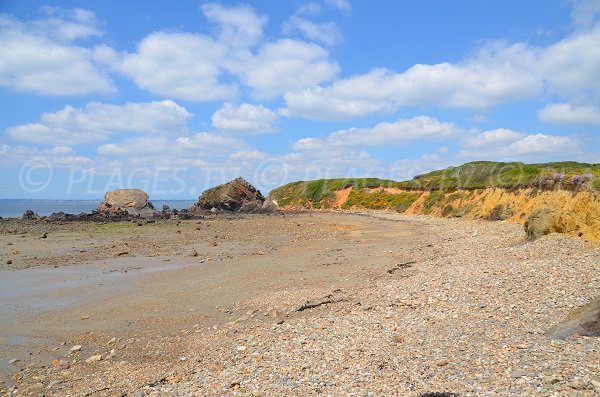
[551,197]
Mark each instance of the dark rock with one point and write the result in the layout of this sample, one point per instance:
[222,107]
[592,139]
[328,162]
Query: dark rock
[438,394]
[237,195]
[583,321]
[29,215]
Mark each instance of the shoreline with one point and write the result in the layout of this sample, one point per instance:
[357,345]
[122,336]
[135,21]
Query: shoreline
[286,303]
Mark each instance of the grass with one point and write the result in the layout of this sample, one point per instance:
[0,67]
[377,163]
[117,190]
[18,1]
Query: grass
[380,199]
[474,177]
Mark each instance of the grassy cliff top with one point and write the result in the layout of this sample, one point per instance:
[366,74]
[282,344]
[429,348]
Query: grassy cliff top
[473,175]
[483,174]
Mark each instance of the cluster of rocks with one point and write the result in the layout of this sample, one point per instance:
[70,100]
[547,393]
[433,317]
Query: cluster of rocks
[236,196]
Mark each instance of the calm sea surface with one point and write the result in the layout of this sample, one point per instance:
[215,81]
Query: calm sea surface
[16,208]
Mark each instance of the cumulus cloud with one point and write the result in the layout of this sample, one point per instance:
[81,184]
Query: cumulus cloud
[40,56]
[97,121]
[571,66]
[492,77]
[238,26]
[504,144]
[403,130]
[285,65]
[325,32]
[59,156]
[565,113]
[496,74]
[584,12]
[179,65]
[244,118]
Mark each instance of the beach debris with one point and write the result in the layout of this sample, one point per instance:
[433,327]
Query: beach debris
[60,364]
[14,361]
[401,266]
[75,348]
[93,359]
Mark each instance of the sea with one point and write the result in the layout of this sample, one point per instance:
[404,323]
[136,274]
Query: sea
[13,208]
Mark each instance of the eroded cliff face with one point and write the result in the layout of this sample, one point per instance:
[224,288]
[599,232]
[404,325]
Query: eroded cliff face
[575,213]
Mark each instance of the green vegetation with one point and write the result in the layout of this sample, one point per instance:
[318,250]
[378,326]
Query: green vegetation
[381,199]
[483,174]
[432,199]
[474,177]
[322,189]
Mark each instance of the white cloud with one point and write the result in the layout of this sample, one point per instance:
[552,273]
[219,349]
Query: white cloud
[501,136]
[496,74]
[403,130]
[325,32]
[285,65]
[584,12]
[179,65]
[39,56]
[572,65]
[60,156]
[244,118]
[98,120]
[248,155]
[564,113]
[238,27]
[311,8]
[67,24]
[504,144]
[342,5]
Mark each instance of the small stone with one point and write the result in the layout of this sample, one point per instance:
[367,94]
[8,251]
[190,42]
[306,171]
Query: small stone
[442,362]
[551,380]
[75,348]
[60,365]
[85,317]
[257,394]
[9,262]
[93,359]
[398,339]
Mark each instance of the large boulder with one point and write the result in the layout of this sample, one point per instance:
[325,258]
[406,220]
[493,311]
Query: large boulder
[237,195]
[130,201]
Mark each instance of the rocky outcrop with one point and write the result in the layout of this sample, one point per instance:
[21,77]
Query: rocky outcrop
[237,195]
[126,201]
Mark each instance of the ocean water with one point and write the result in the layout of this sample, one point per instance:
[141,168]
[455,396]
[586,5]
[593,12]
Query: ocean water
[15,208]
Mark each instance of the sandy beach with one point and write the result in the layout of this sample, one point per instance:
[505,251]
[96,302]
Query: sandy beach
[308,304]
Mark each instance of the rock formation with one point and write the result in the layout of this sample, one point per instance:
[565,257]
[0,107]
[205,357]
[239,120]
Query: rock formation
[236,195]
[129,201]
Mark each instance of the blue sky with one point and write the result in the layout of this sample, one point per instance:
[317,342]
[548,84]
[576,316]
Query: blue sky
[175,97]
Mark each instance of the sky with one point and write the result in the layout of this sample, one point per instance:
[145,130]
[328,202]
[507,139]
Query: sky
[176,97]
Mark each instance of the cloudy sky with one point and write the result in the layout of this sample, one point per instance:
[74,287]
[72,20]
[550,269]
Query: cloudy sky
[174,97]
